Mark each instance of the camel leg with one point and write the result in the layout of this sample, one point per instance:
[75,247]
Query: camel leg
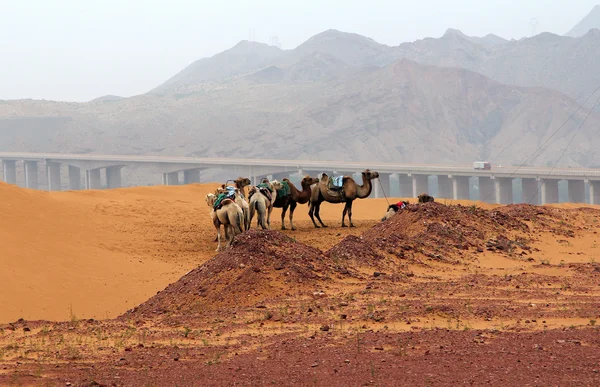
[292,208]
[227,236]
[269,215]
[218,227]
[283,211]
[262,215]
[253,209]
[318,214]
[344,214]
[311,211]
[350,213]
[247,219]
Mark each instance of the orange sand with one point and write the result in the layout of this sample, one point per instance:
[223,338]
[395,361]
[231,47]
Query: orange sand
[95,254]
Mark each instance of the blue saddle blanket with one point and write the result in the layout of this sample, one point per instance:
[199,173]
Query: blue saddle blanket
[338,181]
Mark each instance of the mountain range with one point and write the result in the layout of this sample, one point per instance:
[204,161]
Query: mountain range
[343,96]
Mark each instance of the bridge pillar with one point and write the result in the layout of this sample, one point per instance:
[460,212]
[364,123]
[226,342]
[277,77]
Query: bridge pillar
[420,185]
[594,192]
[394,186]
[531,191]
[549,191]
[486,189]
[503,188]
[191,176]
[445,187]
[576,191]
[92,179]
[405,186]
[53,173]
[113,177]
[74,178]
[171,178]
[31,174]
[9,168]
[460,188]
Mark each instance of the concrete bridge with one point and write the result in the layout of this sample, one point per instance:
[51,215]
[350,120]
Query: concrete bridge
[500,185]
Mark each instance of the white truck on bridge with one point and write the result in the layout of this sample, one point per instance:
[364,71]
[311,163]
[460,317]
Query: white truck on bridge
[482,165]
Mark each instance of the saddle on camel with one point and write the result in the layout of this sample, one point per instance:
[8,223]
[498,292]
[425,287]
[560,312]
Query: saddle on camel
[264,188]
[336,184]
[228,194]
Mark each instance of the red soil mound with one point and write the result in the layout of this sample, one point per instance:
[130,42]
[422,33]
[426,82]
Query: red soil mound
[443,233]
[261,266]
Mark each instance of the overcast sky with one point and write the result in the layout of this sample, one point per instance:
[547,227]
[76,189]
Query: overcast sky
[76,50]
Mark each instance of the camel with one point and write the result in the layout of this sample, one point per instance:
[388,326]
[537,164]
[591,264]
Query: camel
[259,201]
[229,215]
[240,201]
[394,208]
[425,198]
[349,192]
[242,183]
[294,198]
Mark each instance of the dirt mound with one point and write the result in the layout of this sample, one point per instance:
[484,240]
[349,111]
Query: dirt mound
[445,232]
[262,266]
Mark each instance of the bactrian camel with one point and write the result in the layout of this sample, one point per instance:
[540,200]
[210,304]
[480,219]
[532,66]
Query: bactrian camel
[294,198]
[263,204]
[349,192]
[242,183]
[240,201]
[229,215]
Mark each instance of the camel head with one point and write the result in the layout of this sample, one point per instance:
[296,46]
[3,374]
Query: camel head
[242,182]
[210,199]
[275,185]
[324,178]
[369,175]
[308,181]
[220,190]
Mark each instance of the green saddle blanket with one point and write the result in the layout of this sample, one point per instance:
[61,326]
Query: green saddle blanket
[284,191]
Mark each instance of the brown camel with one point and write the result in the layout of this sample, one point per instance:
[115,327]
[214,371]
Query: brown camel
[425,198]
[349,192]
[294,198]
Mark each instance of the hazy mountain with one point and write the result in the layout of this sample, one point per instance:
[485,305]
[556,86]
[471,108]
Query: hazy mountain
[591,21]
[546,60]
[244,57]
[403,112]
[562,63]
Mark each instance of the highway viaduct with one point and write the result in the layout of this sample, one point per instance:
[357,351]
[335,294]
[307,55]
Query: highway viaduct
[537,185]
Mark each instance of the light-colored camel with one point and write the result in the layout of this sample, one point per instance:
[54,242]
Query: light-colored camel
[294,198]
[349,192]
[229,215]
[260,203]
[240,201]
